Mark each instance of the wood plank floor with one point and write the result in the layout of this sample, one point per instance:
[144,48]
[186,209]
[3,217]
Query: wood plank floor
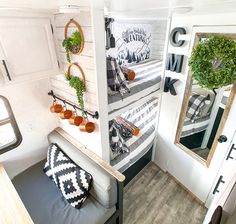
[153,197]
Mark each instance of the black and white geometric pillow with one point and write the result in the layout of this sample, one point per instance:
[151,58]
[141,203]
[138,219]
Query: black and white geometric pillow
[72,180]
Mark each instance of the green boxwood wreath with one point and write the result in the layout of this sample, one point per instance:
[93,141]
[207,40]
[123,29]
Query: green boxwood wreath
[213,62]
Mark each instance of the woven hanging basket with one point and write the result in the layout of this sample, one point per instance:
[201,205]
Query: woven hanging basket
[79,68]
[75,49]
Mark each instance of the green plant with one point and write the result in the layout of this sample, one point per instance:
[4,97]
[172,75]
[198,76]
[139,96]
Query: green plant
[79,86]
[76,38]
[213,62]
[72,44]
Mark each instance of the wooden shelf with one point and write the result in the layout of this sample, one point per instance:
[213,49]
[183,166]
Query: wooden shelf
[12,209]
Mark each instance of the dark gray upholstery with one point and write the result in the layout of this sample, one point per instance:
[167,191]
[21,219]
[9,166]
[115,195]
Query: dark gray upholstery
[47,205]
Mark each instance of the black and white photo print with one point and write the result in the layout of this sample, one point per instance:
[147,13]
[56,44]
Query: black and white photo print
[132,42]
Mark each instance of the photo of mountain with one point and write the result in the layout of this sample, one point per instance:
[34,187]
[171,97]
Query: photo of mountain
[132,42]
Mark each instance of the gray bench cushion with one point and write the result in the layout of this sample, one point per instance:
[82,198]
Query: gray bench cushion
[104,187]
[46,203]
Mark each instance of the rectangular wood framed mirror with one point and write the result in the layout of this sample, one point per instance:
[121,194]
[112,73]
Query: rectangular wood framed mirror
[204,111]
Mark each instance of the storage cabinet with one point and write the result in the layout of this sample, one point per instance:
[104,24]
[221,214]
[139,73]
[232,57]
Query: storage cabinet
[224,182]
[33,54]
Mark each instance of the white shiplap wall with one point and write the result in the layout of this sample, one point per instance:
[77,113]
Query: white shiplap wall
[158,39]
[87,61]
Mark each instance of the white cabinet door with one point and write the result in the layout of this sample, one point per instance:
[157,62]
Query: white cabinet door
[225,181]
[26,48]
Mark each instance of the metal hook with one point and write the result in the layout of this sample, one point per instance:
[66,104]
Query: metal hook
[64,102]
[75,110]
[85,114]
[54,97]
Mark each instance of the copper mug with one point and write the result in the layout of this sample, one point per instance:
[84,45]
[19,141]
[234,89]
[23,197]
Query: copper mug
[87,126]
[75,119]
[56,107]
[65,114]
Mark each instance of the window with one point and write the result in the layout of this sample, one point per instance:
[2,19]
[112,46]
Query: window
[10,136]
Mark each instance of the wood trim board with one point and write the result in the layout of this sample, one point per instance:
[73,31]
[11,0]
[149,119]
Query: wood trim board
[112,171]
[219,131]
[12,209]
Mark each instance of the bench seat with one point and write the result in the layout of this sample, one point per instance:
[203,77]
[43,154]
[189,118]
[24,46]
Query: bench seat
[46,204]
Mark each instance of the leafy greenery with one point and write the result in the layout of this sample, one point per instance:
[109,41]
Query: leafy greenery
[76,83]
[72,44]
[67,45]
[76,38]
[213,62]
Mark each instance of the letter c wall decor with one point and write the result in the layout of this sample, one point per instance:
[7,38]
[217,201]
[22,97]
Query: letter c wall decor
[174,37]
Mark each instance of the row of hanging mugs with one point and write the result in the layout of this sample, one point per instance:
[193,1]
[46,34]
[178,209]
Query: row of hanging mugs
[74,119]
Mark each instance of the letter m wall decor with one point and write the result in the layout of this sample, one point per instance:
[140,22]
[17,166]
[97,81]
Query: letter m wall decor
[174,62]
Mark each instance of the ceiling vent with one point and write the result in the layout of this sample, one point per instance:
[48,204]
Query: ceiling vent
[69,9]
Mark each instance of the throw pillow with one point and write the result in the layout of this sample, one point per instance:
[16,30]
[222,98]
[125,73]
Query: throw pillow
[116,80]
[72,180]
[216,217]
[195,105]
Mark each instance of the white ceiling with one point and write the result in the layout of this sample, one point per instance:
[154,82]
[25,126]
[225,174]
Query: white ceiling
[164,8]
[133,8]
[121,5]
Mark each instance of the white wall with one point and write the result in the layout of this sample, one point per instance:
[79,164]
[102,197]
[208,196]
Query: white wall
[30,104]
[196,177]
